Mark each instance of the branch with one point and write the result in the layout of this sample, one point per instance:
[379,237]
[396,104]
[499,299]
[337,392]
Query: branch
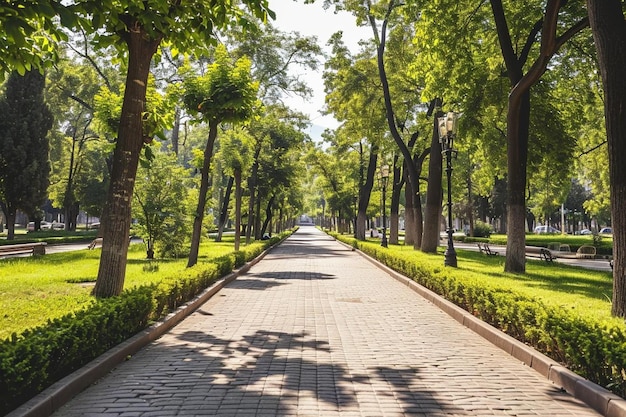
[588,151]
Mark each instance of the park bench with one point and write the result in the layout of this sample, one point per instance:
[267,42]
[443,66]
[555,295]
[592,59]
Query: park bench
[586,252]
[97,242]
[484,248]
[36,248]
[541,253]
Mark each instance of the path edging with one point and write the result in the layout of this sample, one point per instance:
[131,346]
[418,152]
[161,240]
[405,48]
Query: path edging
[595,396]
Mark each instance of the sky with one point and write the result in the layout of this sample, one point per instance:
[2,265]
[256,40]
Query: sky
[313,20]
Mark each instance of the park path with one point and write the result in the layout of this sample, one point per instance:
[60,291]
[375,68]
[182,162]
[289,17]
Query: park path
[316,330]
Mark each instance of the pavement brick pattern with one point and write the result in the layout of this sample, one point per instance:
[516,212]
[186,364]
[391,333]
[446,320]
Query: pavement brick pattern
[316,330]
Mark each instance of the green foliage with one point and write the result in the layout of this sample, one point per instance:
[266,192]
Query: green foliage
[482,229]
[24,122]
[160,209]
[36,358]
[560,323]
[226,93]
[158,114]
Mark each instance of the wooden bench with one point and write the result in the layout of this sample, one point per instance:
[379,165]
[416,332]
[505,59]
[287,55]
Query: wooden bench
[484,248]
[544,254]
[586,252]
[96,242]
[37,248]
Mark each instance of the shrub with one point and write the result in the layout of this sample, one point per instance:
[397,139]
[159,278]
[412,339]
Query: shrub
[482,229]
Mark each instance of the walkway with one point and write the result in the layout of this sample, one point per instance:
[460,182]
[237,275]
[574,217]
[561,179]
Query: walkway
[315,330]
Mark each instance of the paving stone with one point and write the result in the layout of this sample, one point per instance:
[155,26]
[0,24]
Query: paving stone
[316,330]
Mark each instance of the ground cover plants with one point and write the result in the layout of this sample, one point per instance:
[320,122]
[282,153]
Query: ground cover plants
[562,311]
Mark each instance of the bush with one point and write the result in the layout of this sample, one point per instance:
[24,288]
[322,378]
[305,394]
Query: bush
[482,229]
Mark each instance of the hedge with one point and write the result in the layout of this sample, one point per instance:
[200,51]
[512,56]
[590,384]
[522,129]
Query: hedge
[594,349]
[35,359]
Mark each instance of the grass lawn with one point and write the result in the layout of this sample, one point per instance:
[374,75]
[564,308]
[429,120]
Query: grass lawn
[35,289]
[581,291]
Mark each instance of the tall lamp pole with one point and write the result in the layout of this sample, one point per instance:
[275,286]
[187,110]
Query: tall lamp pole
[447,134]
[356,200]
[384,175]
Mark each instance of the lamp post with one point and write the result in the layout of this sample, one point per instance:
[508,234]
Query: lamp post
[384,175]
[356,199]
[447,134]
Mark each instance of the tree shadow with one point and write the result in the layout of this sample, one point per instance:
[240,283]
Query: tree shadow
[304,275]
[259,374]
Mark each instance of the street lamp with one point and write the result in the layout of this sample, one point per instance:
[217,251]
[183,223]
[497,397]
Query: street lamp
[447,134]
[356,200]
[384,175]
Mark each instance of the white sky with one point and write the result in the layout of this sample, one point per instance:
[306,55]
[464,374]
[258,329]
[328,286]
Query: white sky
[313,20]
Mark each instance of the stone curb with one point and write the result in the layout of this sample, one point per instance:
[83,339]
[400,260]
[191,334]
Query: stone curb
[595,396]
[62,391]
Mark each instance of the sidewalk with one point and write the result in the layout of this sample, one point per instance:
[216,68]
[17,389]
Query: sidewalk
[315,330]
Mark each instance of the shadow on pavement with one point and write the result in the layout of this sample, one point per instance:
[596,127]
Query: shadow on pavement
[272,373]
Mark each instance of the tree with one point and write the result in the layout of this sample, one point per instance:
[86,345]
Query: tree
[225,94]
[24,167]
[609,33]
[71,92]
[236,154]
[160,208]
[518,113]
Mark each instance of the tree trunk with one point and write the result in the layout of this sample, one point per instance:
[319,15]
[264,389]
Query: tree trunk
[258,232]
[204,189]
[176,131]
[268,216]
[366,192]
[117,212]
[252,187]
[518,121]
[430,239]
[394,209]
[409,214]
[9,214]
[609,33]
[237,208]
[224,210]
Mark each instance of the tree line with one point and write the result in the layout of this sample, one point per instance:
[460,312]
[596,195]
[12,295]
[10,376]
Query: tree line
[533,83]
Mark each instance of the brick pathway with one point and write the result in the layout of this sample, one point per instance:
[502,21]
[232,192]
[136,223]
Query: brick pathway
[315,330]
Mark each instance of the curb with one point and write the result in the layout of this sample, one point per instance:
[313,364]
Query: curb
[55,396]
[595,396]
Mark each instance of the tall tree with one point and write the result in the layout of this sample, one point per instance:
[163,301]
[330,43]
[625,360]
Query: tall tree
[547,28]
[225,94]
[24,165]
[609,33]
[236,154]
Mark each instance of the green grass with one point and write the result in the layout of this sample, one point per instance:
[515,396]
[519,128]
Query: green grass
[36,289]
[582,291]
[604,247]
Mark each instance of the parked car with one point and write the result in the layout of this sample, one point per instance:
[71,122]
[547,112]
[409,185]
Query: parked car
[606,231]
[585,232]
[43,225]
[546,229]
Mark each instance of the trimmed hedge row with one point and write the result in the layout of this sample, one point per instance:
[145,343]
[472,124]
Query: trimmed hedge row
[37,358]
[595,350]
